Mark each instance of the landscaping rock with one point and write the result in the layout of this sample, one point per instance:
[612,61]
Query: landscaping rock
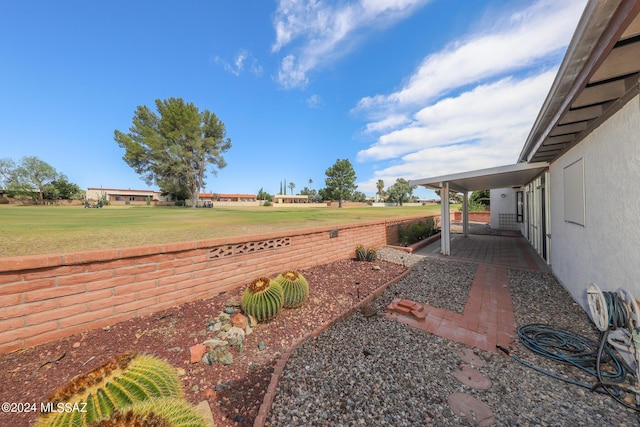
[215,343]
[252,321]
[197,351]
[368,311]
[204,410]
[235,332]
[233,302]
[239,321]
[220,355]
[471,409]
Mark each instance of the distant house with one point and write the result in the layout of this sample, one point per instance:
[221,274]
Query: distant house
[118,196]
[227,197]
[287,198]
[574,192]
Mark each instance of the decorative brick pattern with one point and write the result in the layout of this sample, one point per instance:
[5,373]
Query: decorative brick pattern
[248,247]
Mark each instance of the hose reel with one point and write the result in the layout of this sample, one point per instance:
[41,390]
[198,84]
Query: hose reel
[618,316]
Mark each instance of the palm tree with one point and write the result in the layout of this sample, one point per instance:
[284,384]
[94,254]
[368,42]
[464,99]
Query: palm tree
[380,187]
[292,186]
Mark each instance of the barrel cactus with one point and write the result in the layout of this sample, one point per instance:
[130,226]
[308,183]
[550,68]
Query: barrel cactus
[361,253]
[163,412]
[372,254]
[125,379]
[295,287]
[263,299]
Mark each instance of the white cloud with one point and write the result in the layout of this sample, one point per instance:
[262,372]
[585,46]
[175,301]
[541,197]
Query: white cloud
[506,105]
[240,61]
[472,104]
[315,101]
[525,39]
[322,31]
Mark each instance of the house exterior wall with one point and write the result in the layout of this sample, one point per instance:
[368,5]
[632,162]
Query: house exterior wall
[606,250]
[501,206]
[121,196]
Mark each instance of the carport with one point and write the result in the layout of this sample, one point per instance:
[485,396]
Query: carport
[514,176]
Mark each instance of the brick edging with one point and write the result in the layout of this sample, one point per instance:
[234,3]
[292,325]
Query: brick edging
[270,394]
[418,245]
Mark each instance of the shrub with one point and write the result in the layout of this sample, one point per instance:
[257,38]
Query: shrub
[416,231]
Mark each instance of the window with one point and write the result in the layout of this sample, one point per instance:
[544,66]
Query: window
[574,208]
[519,206]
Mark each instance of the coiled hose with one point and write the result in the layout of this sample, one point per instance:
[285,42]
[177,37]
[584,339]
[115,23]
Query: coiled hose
[578,351]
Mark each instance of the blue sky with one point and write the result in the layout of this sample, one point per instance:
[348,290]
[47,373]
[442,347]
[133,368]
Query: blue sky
[401,88]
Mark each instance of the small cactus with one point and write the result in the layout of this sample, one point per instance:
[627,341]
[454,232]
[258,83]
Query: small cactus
[123,380]
[163,412]
[361,253]
[372,254]
[295,287]
[263,299]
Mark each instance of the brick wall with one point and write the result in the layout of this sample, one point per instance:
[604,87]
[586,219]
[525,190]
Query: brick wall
[47,297]
[483,216]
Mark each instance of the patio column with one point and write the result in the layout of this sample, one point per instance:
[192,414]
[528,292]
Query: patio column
[445,219]
[465,214]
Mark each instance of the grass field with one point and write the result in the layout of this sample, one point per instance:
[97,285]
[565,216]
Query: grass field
[31,230]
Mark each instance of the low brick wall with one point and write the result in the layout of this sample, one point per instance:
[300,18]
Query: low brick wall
[484,216]
[47,297]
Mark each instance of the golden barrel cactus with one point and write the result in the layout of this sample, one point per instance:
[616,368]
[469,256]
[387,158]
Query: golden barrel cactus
[125,379]
[263,299]
[295,287]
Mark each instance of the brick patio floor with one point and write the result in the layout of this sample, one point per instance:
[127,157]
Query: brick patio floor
[488,318]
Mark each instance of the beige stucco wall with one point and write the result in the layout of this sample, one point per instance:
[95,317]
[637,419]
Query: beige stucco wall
[606,251]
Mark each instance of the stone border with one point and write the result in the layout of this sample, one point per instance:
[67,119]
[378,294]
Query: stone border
[270,394]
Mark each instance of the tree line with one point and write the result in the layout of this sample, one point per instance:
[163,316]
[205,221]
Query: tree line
[340,185]
[34,179]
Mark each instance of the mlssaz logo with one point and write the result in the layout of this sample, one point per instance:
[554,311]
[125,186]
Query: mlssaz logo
[47,407]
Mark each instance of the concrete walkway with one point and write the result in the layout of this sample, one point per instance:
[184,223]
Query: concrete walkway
[488,318]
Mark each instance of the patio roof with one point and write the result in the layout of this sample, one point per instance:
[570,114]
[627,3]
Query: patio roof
[598,76]
[515,175]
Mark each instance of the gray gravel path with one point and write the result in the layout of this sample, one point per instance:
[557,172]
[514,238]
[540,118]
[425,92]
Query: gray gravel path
[374,371]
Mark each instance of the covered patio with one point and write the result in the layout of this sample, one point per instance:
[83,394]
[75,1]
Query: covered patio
[511,176]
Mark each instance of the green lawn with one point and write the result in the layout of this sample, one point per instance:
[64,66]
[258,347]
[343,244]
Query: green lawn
[30,230]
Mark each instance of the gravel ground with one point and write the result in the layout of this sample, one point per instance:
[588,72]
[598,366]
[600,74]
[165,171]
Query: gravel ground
[374,371]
